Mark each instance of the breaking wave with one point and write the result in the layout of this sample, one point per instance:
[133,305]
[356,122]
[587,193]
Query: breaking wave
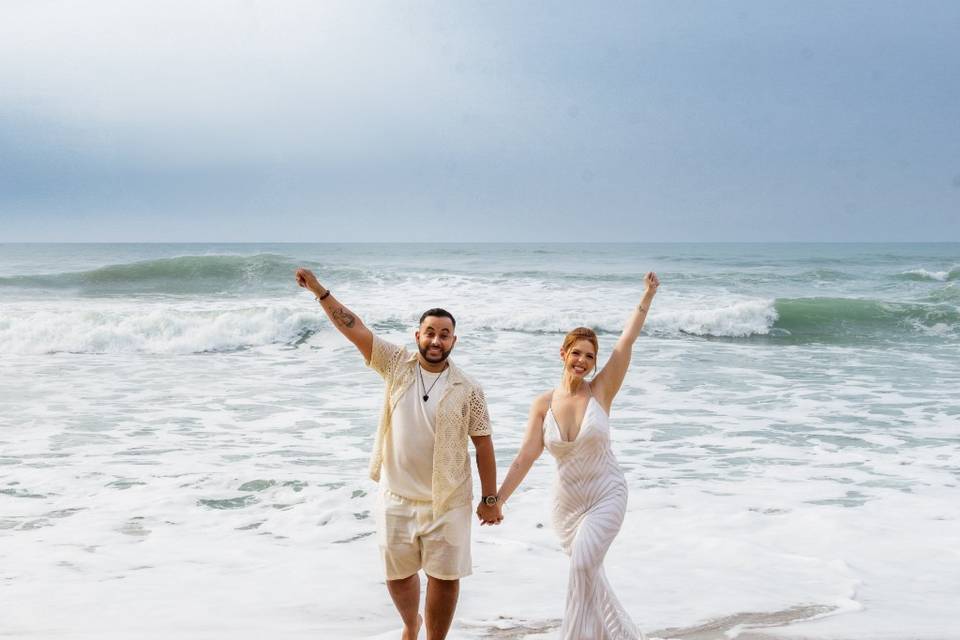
[923,275]
[183,275]
[159,328]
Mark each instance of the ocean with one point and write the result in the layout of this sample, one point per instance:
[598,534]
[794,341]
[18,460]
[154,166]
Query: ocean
[184,437]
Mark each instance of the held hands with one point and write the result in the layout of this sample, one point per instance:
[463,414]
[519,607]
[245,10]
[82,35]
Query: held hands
[307,280]
[489,513]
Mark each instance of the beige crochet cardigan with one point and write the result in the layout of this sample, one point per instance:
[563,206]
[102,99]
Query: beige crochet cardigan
[461,412]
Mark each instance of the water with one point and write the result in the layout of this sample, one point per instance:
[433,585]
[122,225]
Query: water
[184,438]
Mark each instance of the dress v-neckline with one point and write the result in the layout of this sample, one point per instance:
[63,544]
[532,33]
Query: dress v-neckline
[582,421]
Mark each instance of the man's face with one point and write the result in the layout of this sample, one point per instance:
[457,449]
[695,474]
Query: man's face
[435,339]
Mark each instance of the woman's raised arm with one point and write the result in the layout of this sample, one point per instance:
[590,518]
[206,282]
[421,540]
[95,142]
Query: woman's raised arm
[607,383]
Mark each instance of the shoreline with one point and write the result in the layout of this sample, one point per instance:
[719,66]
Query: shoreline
[771,625]
[740,626]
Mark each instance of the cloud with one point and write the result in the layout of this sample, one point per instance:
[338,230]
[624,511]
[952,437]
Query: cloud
[236,79]
[535,115]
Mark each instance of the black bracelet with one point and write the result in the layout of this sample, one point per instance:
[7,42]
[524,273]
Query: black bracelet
[324,296]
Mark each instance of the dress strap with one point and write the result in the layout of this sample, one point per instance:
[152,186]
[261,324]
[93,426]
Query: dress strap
[552,391]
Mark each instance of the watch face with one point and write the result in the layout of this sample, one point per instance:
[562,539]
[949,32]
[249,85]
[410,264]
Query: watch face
[491,500]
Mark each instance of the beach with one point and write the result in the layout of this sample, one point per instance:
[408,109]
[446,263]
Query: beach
[184,437]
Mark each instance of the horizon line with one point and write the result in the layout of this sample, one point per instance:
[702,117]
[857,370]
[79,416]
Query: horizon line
[475,242]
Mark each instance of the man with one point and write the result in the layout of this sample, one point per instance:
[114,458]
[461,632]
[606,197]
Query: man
[423,509]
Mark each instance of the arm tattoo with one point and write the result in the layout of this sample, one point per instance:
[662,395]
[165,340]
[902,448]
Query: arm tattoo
[344,318]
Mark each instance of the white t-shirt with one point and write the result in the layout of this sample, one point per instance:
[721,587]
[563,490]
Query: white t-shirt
[408,451]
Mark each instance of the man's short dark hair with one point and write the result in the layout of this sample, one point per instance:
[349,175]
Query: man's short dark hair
[438,313]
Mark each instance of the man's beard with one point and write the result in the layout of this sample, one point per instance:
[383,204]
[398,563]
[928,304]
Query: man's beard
[434,360]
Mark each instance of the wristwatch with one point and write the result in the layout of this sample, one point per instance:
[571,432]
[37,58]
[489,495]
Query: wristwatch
[490,500]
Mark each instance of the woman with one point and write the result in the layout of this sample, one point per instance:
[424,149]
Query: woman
[591,491]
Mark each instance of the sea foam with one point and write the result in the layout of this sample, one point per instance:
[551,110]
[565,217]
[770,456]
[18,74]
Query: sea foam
[737,320]
[153,329]
[938,276]
[157,326]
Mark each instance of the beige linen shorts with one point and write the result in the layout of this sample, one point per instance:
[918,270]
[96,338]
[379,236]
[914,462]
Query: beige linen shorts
[411,539]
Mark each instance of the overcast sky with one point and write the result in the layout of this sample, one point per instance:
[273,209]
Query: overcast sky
[479,121]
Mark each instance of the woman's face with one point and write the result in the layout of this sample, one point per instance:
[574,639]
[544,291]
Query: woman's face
[579,359]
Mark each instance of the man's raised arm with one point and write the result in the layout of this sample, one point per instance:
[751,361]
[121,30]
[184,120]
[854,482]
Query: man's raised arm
[342,318]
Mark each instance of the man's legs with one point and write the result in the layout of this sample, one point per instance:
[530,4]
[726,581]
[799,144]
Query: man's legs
[406,598]
[441,604]
[441,547]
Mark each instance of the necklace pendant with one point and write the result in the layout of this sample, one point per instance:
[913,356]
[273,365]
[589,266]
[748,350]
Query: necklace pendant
[426,397]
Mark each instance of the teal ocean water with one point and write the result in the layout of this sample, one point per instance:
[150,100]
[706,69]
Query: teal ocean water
[181,431]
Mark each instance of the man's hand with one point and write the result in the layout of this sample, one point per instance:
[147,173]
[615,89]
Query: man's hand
[489,513]
[307,280]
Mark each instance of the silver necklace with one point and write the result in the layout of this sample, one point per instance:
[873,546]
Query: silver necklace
[423,387]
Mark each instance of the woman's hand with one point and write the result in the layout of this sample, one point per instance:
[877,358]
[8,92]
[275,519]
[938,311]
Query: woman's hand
[651,282]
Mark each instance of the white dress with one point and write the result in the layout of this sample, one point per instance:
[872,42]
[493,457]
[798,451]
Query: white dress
[589,503]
